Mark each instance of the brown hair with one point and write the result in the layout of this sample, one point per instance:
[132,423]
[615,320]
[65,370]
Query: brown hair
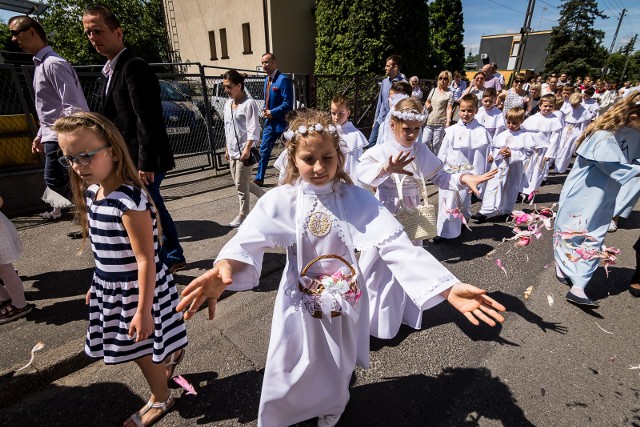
[309,117]
[549,97]
[402,86]
[341,100]
[125,170]
[515,115]
[109,17]
[490,92]
[470,98]
[614,118]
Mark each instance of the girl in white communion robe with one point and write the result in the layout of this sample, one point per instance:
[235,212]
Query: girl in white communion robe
[320,326]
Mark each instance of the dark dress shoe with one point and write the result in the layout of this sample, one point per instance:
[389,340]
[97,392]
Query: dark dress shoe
[634,290]
[438,239]
[258,182]
[585,302]
[75,234]
[177,266]
[479,218]
[564,280]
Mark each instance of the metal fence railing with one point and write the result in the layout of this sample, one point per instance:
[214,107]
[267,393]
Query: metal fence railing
[193,100]
[17,127]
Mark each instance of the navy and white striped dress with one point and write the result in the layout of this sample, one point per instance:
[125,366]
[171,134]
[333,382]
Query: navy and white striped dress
[114,290]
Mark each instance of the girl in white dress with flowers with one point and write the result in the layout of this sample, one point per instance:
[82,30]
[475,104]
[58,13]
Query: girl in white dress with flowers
[319,334]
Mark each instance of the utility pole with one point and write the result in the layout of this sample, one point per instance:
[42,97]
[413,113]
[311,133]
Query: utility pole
[624,71]
[605,71]
[524,32]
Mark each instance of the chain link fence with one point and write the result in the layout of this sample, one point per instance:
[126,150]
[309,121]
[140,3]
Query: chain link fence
[193,99]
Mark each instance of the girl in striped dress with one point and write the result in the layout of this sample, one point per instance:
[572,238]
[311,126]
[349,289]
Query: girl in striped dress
[132,298]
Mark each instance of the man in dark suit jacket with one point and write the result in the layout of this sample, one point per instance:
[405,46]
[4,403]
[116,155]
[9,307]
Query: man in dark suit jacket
[278,101]
[131,100]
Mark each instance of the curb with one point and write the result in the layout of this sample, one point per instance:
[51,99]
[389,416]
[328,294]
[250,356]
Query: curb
[63,361]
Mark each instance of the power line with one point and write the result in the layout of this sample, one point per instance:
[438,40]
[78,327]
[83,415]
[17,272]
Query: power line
[507,7]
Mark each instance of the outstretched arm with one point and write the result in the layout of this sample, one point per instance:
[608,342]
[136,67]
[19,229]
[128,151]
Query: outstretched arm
[472,181]
[474,304]
[208,287]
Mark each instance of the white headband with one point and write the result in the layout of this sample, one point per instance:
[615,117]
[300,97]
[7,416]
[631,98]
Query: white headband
[409,114]
[303,130]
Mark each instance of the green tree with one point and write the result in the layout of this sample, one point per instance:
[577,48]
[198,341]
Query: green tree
[447,34]
[356,36]
[576,47]
[141,20]
[622,64]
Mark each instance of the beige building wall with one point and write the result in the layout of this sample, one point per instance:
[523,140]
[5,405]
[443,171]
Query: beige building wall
[195,19]
[291,32]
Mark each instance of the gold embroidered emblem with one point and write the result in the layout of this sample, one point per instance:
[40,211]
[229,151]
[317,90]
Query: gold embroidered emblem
[319,224]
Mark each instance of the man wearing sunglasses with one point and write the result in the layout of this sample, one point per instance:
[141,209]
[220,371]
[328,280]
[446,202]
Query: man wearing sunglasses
[57,92]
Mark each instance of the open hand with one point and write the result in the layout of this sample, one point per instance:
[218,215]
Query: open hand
[472,181]
[397,164]
[208,287]
[474,304]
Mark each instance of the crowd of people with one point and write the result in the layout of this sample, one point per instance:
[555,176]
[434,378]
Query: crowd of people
[347,277]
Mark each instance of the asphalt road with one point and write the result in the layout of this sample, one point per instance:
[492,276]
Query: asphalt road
[549,364]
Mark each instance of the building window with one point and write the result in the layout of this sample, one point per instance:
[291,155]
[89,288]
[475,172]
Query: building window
[212,45]
[223,43]
[246,38]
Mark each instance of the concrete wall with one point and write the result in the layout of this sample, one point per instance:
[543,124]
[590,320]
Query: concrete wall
[291,32]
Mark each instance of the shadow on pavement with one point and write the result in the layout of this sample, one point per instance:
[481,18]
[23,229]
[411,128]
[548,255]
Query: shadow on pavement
[443,314]
[472,395]
[197,230]
[100,404]
[231,398]
[59,284]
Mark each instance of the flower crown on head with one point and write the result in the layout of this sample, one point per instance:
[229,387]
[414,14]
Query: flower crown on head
[303,130]
[409,114]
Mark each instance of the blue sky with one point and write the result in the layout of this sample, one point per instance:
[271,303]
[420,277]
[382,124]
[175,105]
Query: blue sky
[484,17]
[507,16]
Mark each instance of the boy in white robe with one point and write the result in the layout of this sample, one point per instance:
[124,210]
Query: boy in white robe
[575,121]
[464,148]
[352,141]
[380,167]
[590,103]
[318,335]
[509,150]
[546,128]
[489,115]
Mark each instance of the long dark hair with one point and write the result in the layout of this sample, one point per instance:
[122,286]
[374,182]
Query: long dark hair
[234,77]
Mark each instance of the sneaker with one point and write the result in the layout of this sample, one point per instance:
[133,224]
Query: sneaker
[236,222]
[612,227]
[10,313]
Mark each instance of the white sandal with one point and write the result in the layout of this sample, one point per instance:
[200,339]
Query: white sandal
[165,406]
[51,215]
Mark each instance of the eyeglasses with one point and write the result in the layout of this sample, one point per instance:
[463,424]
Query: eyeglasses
[80,159]
[518,81]
[15,33]
[443,78]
